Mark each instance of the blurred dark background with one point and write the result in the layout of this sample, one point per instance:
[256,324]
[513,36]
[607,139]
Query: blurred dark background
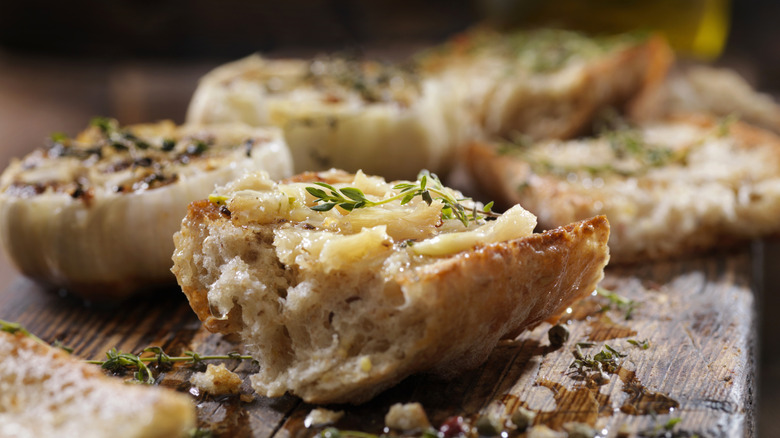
[62,63]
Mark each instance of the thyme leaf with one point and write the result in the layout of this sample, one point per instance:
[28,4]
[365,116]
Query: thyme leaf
[623,304]
[118,361]
[644,344]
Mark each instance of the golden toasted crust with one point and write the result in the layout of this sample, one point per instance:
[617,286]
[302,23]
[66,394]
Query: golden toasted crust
[744,210]
[441,315]
[201,212]
[472,300]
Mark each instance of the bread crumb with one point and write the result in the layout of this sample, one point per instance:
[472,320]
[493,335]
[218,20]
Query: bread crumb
[217,380]
[406,417]
[321,417]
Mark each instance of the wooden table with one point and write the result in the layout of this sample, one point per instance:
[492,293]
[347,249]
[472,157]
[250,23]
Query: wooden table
[697,316]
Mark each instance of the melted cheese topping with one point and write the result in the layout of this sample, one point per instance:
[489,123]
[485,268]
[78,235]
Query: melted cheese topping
[332,240]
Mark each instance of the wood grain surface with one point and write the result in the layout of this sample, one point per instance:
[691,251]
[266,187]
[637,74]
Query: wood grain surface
[697,316]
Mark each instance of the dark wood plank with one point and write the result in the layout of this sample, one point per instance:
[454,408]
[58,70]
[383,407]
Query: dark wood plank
[697,315]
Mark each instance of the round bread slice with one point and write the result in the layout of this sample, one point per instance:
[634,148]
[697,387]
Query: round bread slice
[668,188]
[45,392]
[336,112]
[95,214]
[338,305]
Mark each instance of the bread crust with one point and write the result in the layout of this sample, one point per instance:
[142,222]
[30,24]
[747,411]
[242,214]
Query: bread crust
[444,315]
[510,179]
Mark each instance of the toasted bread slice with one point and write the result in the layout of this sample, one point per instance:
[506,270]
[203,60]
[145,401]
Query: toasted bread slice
[338,306]
[95,214]
[45,392]
[547,83]
[668,189]
[336,112]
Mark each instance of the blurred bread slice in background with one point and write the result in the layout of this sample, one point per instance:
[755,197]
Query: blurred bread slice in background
[668,188]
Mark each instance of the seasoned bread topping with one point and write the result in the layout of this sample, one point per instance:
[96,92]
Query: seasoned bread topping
[107,158]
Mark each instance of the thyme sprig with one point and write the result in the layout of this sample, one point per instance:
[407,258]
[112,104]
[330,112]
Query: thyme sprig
[428,187]
[117,361]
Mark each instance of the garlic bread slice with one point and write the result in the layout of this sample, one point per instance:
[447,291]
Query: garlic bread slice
[341,285]
[547,83]
[344,113]
[95,214]
[668,188]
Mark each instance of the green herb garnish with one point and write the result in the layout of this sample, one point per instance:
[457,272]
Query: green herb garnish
[428,187]
[15,327]
[605,360]
[59,137]
[117,361]
[644,344]
[622,303]
[106,125]
[168,145]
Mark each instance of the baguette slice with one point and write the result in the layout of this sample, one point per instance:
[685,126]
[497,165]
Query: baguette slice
[95,214]
[547,83]
[338,306]
[668,188]
[45,392]
[338,112]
